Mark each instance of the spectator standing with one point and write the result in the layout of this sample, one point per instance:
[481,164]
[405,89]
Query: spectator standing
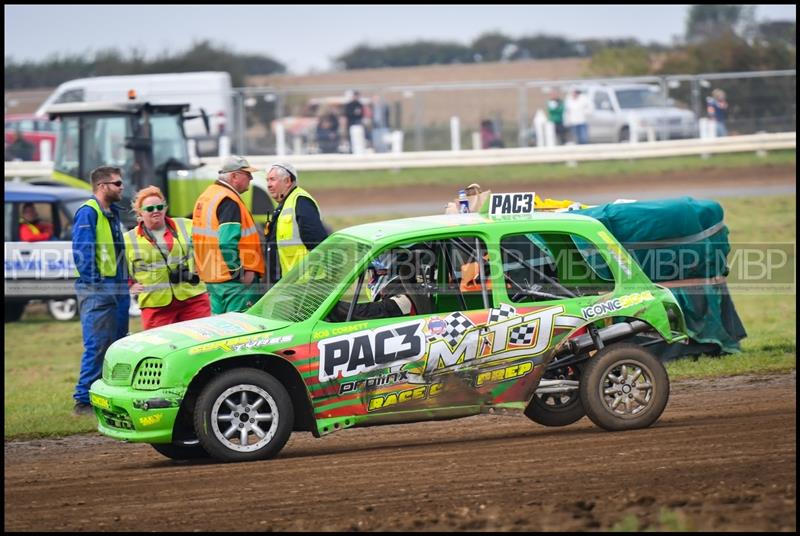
[380,124]
[718,111]
[328,132]
[555,113]
[31,227]
[161,264]
[98,249]
[295,227]
[576,108]
[227,248]
[20,148]
[354,114]
[489,137]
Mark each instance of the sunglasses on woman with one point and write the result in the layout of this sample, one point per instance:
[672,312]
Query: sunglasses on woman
[153,208]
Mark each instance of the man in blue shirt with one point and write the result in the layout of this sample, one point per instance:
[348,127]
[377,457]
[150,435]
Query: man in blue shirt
[98,248]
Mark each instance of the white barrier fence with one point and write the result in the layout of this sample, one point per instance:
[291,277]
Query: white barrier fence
[758,143]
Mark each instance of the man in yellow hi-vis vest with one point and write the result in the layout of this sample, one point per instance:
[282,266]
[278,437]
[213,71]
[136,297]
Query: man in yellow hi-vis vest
[227,244]
[295,227]
[98,249]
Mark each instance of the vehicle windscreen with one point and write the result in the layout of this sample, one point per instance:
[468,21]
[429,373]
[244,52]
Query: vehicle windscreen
[323,272]
[638,98]
[168,140]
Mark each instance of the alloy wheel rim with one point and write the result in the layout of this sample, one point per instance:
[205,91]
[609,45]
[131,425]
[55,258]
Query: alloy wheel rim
[627,389]
[244,418]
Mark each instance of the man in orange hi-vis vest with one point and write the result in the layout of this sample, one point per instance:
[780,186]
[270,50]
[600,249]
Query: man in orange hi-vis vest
[227,246]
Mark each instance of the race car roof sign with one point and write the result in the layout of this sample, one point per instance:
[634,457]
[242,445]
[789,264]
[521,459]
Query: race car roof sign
[511,204]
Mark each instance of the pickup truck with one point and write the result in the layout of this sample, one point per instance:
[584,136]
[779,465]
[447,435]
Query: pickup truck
[619,109]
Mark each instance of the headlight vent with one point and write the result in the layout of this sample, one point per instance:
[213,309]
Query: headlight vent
[148,375]
[120,374]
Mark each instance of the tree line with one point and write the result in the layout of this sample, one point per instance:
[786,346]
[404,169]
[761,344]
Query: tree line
[201,56]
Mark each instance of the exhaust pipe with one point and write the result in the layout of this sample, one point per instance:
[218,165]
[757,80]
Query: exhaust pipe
[608,333]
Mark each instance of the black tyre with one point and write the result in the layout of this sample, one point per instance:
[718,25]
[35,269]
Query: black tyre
[624,387]
[14,311]
[180,452]
[244,414]
[557,409]
[624,134]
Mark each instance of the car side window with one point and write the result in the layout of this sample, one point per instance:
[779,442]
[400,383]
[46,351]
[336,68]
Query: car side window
[601,101]
[552,266]
[437,276]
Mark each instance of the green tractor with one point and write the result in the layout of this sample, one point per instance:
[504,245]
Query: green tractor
[147,141]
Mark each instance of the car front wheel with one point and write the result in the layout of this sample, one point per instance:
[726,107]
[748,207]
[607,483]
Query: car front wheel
[244,414]
[624,387]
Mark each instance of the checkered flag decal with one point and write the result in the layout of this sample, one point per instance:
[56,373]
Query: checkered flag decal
[457,324]
[522,335]
[505,311]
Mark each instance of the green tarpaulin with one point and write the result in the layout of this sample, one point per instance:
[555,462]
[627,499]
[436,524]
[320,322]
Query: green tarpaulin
[683,240]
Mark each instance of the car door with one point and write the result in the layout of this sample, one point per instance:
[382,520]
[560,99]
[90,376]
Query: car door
[417,365]
[603,119]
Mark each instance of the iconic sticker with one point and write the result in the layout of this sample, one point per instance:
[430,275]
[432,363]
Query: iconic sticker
[366,350]
[602,308]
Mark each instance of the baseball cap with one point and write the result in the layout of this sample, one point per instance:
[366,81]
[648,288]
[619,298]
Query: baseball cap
[236,163]
[286,167]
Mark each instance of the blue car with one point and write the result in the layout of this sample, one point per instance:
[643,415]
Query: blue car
[42,270]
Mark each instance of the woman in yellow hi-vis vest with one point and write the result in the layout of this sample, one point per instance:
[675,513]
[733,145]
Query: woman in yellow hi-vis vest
[161,264]
[295,227]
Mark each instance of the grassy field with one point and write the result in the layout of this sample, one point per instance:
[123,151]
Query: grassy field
[42,356]
[536,173]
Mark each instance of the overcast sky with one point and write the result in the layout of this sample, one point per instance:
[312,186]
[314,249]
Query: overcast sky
[307,37]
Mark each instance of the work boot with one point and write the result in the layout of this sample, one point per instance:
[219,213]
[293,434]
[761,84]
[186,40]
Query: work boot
[82,408]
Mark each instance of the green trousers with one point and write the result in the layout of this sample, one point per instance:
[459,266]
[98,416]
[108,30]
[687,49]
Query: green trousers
[233,296]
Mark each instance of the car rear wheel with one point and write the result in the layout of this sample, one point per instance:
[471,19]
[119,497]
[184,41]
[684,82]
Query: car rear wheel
[557,408]
[244,414]
[624,134]
[624,387]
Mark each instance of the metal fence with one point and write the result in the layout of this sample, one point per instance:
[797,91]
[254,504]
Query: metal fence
[762,101]
[422,115]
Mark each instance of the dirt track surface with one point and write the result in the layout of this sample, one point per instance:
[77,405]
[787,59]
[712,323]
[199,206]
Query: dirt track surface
[722,457]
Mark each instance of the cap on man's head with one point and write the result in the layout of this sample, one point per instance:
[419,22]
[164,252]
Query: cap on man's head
[236,163]
[287,167]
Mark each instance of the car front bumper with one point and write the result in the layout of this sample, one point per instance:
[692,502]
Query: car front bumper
[135,415]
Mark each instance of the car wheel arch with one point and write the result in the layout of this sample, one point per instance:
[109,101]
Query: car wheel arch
[272,364]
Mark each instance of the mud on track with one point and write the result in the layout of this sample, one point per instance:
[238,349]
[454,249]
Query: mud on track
[722,457]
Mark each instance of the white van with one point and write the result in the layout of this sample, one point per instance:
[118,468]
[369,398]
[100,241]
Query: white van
[209,91]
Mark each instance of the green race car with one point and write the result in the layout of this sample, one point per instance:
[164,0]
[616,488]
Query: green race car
[543,313]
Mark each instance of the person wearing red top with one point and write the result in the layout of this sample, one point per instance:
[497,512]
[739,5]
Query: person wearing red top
[161,264]
[31,227]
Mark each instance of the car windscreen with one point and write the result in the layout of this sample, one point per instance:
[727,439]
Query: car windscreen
[323,272]
[638,98]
